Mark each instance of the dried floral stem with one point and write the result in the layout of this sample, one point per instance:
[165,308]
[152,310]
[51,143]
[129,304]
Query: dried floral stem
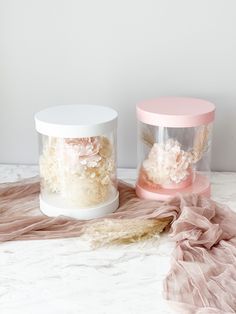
[200,143]
[123,231]
[148,137]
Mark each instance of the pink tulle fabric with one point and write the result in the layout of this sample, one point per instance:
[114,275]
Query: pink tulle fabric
[202,276]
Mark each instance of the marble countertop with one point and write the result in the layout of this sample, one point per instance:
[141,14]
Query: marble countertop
[67,276]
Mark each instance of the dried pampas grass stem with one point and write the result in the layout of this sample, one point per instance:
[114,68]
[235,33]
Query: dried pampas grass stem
[148,137]
[200,142]
[123,231]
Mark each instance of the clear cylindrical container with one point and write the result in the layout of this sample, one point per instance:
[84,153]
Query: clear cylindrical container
[174,147]
[77,161]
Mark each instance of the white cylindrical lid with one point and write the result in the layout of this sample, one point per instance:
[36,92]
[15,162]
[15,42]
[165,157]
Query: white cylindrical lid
[73,121]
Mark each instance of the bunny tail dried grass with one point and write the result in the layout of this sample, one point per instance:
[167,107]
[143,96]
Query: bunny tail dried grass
[123,231]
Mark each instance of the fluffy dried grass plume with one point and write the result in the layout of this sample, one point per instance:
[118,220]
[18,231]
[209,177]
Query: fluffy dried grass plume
[123,231]
[201,142]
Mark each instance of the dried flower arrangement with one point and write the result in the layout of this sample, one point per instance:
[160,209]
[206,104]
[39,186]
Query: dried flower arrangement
[167,162]
[81,170]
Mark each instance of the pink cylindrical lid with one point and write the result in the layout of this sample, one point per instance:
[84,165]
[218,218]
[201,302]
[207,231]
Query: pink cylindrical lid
[176,112]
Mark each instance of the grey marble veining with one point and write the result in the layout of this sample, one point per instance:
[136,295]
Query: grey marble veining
[67,276]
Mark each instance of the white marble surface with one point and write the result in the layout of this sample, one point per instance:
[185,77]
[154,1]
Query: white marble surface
[67,277]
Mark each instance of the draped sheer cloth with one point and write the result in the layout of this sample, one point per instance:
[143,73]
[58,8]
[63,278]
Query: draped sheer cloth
[202,275]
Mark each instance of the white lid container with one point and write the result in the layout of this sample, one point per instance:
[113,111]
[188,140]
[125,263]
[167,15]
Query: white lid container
[72,121]
[77,160]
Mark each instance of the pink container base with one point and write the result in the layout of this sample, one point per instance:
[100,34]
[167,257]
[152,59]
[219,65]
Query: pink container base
[201,186]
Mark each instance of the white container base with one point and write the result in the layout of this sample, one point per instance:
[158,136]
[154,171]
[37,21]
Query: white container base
[81,213]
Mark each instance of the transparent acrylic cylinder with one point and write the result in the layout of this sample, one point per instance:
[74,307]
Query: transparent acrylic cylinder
[78,173]
[173,160]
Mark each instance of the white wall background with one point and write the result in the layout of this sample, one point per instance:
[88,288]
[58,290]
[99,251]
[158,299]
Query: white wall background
[115,53]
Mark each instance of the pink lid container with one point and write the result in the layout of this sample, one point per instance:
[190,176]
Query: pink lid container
[174,147]
[176,112]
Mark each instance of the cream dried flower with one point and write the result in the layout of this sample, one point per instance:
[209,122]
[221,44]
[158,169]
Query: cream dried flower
[167,162]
